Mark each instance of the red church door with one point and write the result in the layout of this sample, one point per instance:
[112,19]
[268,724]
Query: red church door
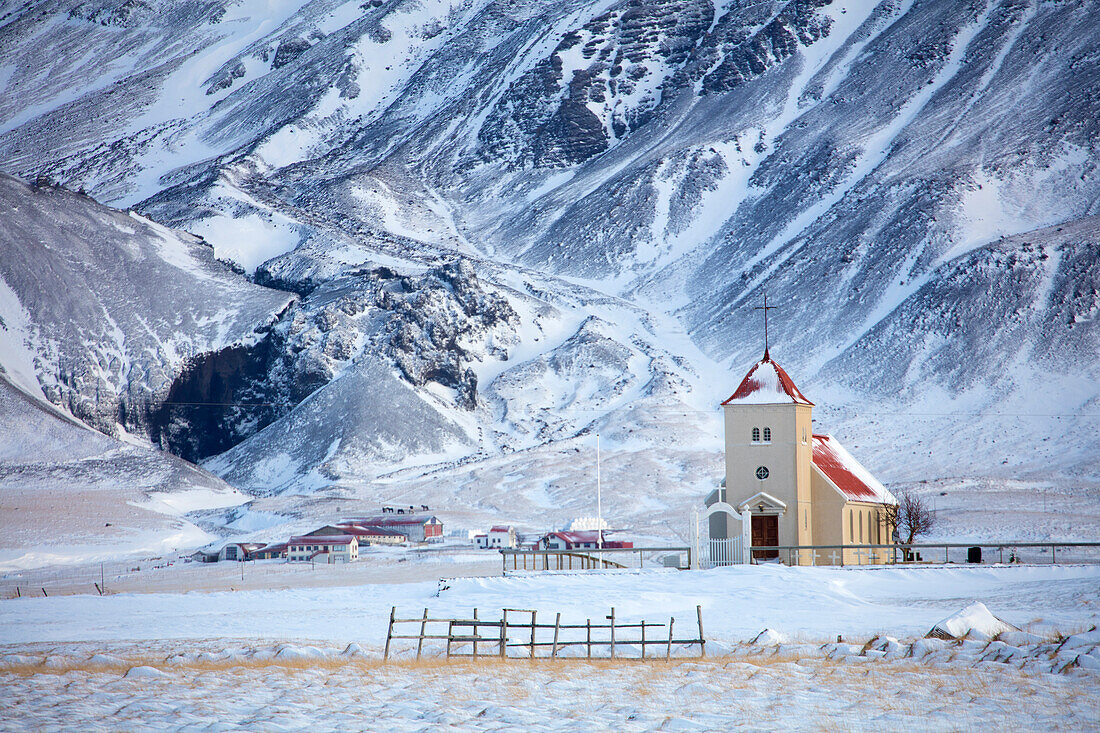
[765,533]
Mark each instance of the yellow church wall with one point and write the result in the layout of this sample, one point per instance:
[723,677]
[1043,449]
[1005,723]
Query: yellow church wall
[787,456]
[864,524]
[841,522]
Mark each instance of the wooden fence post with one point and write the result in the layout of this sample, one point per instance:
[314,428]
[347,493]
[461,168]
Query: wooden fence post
[389,632]
[643,638]
[450,636]
[423,627]
[475,633]
[668,649]
[702,641]
[533,633]
[588,644]
[612,617]
[557,625]
[504,633]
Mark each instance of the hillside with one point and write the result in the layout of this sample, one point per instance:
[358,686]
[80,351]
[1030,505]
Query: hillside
[473,235]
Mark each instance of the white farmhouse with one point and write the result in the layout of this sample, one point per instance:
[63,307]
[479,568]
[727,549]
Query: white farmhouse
[500,537]
[328,549]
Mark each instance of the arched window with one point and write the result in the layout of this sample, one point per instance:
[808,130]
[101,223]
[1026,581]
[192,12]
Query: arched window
[861,528]
[756,435]
[851,524]
[870,533]
[767,435]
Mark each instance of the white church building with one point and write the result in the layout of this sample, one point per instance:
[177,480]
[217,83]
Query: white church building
[787,486]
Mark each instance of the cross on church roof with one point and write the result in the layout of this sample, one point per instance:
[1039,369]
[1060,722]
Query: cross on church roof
[765,308]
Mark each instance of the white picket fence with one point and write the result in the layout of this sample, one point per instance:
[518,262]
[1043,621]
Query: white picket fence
[722,552]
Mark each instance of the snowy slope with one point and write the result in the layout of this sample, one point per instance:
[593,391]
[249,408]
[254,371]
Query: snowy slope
[913,183]
[97,497]
[110,309]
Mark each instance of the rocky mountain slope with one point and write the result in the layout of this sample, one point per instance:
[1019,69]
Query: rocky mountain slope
[119,320]
[512,224]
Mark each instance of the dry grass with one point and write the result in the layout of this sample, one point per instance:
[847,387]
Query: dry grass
[771,690]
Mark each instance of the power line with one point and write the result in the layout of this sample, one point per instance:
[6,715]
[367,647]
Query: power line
[685,412]
[232,404]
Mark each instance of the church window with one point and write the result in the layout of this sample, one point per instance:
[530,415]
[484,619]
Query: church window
[851,525]
[756,435]
[861,528]
[761,472]
[869,534]
[767,435]
[803,436]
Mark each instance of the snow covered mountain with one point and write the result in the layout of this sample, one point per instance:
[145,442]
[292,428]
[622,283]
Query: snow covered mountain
[510,225]
[111,315]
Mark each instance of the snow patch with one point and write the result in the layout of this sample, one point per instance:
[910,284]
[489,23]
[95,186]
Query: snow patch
[250,240]
[973,621]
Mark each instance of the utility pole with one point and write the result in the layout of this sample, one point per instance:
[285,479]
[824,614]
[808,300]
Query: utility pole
[599,498]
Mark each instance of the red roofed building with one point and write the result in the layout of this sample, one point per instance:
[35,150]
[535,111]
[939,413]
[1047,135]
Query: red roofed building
[498,537]
[786,486]
[414,527]
[581,540]
[330,549]
[365,535]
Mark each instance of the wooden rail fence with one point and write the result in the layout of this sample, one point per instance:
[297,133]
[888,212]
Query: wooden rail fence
[519,629]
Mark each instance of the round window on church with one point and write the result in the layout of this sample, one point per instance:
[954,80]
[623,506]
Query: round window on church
[762,472]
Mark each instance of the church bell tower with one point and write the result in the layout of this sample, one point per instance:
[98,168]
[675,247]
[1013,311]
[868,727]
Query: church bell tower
[769,451]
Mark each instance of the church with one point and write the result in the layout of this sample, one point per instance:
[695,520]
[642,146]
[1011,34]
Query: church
[787,486]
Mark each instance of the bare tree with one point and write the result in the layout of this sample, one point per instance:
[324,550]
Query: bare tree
[912,516]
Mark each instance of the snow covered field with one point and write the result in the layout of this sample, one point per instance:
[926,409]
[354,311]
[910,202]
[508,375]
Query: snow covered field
[287,659]
[764,692]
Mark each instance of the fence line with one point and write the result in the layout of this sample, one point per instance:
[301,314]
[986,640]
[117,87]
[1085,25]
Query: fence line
[1030,553]
[605,558]
[733,551]
[103,578]
[462,633]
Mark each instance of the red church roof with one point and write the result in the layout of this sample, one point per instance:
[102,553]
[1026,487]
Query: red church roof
[767,384]
[846,473]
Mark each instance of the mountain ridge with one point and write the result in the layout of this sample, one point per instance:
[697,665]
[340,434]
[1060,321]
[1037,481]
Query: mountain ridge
[623,180]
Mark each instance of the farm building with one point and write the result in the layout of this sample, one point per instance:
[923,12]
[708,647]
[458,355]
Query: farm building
[583,540]
[238,551]
[329,549]
[496,538]
[365,535]
[414,527]
[269,552]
